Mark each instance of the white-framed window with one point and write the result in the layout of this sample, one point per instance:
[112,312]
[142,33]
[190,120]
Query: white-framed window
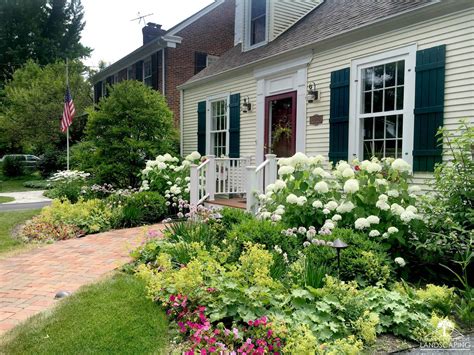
[382,99]
[218,123]
[147,73]
[257,23]
[211,59]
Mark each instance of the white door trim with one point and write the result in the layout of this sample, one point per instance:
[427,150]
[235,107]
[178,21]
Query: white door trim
[277,79]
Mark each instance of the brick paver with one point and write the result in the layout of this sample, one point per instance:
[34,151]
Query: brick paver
[29,281]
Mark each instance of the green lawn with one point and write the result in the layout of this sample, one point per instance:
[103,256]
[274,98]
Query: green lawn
[4,199]
[16,184]
[110,317]
[8,220]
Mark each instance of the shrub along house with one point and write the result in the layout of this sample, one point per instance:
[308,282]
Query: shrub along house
[344,79]
[168,58]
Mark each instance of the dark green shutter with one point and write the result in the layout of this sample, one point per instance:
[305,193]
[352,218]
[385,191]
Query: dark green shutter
[201,127]
[139,70]
[234,126]
[97,92]
[429,107]
[154,71]
[339,115]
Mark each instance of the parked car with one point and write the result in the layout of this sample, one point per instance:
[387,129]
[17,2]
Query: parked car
[28,161]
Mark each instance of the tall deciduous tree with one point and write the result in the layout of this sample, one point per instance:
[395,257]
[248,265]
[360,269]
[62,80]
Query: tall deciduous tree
[33,106]
[41,30]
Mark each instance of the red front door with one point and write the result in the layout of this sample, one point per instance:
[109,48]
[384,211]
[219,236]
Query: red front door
[280,124]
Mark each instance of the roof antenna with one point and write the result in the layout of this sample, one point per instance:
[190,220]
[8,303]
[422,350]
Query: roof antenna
[141,17]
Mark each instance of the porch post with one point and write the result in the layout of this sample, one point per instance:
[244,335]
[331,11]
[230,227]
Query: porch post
[211,177]
[251,177]
[194,186]
[271,170]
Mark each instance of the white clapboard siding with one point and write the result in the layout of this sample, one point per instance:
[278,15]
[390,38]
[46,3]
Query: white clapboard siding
[285,13]
[454,30]
[246,86]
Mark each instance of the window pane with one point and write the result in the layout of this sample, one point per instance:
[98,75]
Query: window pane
[367,102]
[390,148]
[390,74]
[399,148]
[391,127]
[378,100]
[389,99]
[400,126]
[258,8]
[367,78]
[378,77]
[400,72]
[378,149]
[258,30]
[368,128]
[379,128]
[400,98]
[367,150]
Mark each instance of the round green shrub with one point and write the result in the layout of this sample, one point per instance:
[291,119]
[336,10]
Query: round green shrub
[143,208]
[13,166]
[262,232]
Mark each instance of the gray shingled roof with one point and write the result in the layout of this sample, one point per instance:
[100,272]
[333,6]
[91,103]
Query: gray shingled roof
[328,19]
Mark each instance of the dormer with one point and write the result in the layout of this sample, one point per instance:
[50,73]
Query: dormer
[258,22]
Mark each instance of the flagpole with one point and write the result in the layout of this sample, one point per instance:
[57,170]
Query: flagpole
[67,129]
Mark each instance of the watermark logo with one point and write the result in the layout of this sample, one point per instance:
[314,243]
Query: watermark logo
[458,343]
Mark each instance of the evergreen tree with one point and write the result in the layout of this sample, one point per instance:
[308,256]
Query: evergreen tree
[41,30]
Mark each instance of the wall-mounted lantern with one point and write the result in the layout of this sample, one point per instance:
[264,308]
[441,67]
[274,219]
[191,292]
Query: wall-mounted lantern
[246,106]
[312,94]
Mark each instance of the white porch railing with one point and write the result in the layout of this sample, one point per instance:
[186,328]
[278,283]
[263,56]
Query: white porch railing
[258,178]
[222,176]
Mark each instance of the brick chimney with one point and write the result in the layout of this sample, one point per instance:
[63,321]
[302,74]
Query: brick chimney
[151,31]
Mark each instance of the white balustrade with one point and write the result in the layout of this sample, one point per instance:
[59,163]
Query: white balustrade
[224,176]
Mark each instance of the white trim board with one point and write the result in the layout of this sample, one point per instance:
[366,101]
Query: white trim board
[408,53]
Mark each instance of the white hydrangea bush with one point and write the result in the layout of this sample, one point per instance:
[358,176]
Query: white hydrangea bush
[169,176]
[68,176]
[373,197]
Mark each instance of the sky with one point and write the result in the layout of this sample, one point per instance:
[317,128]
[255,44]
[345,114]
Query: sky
[110,32]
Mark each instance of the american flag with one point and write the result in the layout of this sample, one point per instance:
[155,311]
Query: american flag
[69,111]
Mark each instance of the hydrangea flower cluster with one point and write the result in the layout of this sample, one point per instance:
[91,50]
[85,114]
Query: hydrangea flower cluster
[370,196]
[68,176]
[170,177]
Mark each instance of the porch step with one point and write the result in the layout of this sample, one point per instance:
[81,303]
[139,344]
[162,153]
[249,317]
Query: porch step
[238,202]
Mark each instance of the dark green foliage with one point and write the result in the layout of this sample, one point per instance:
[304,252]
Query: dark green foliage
[13,166]
[51,161]
[262,232]
[41,30]
[33,106]
[364,260]
[232,216]
[143,208]
[131,125]
[70,190]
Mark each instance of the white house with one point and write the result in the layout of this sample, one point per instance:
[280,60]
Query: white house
[342,78]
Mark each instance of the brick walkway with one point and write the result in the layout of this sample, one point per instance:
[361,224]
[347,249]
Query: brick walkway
[30,280]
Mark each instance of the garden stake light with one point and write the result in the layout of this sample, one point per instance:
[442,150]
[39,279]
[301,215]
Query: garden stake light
[338,245]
